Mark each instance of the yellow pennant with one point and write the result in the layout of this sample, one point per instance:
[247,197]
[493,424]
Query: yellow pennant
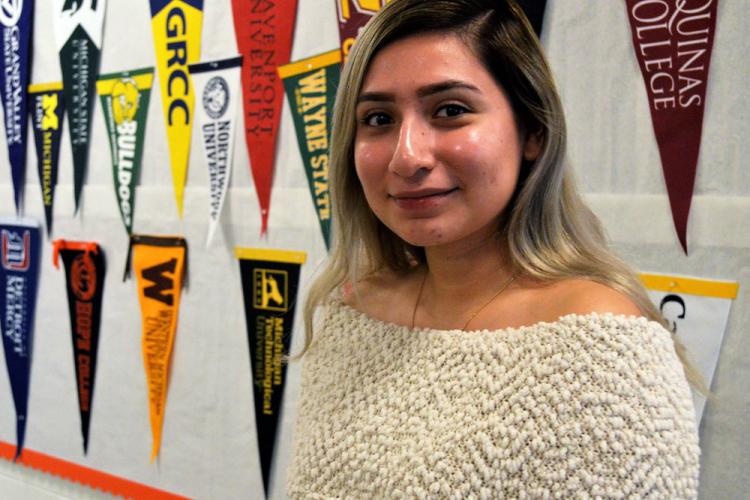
[159,264]
[177,40]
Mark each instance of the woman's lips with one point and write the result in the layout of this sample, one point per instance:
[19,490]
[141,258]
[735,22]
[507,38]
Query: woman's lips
[423,199]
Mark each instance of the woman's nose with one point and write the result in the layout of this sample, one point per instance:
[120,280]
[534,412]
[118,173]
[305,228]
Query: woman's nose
[414,149]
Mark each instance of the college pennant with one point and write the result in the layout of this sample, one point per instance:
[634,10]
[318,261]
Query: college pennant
[264,33]
[270,279]
[217,85]
[177,40]
[125,98]
[673,43]
[78,31]
[46,107]
[159,263]
[84,270]
[310,86]
[19,273]
[353,15]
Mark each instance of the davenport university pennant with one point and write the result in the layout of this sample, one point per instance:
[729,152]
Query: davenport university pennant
[84,271]
[15,36]
[159,263]
[19,273]
[673,42]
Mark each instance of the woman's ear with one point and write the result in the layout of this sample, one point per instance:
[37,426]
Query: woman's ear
[533,146]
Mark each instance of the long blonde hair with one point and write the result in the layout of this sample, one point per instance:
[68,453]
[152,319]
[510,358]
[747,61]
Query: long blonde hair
[549,233]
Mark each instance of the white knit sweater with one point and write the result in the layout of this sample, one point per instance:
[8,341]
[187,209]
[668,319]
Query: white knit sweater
[587,406]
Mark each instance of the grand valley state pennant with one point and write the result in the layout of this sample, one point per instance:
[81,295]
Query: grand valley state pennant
[264,30]
[19,273]
[177,40]
[673,42]
[159,263]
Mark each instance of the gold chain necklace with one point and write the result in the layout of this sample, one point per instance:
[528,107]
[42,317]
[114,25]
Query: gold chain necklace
[504,286]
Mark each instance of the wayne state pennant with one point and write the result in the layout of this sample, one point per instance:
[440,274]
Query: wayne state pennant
[217,85]
[19,273]
[15,35]
[270,279]
[311,89]
[84,271]
[159,264]
[176,25]
[78,31]
[125,98]
[264,31]
[673,42]
[46,107]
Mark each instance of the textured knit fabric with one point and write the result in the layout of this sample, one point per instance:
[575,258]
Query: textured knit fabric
[587,406]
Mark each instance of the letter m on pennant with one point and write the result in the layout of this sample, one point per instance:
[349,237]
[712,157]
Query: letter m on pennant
[161,287]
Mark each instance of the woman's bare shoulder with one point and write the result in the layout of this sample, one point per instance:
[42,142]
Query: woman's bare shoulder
[383,294]
[583,296]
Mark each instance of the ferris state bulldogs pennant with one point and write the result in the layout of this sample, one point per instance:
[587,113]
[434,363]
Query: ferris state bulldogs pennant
[270,279]
[177,40]
[352,16]
[84,271]
[264,31]
[673,43]
[125,98]
[46,107]
[19,273]
[159,263]
[78,32]
[311,90]
[15,35]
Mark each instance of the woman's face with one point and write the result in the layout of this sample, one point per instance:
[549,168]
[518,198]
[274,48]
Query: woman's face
[437,149]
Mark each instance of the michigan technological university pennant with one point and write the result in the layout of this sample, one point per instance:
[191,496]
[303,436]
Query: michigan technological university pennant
[125,98]
[19,273]
[270,279]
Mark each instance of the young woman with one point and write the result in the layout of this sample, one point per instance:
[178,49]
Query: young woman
[476,336]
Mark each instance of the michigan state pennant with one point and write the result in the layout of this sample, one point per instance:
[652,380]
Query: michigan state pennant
[19,272]
[84,270]
[46,107]
[310,86]
[353,15]
[217,85]
[673,42]
[78,31]
[269,285]
[159,264]
[264,31]
[15,20]
[177,40]
[125,98]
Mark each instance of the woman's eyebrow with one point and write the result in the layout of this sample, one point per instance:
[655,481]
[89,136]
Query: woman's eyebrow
[427,90]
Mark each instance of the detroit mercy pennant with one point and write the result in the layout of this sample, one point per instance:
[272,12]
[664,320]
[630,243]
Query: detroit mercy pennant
[270,279]
[311,89]
[217,85]
[352,16]
[78,32]
[19,273]
[264,31]
[84,271]
[673,42]
[46,106]
[125,98]
[159,264]
[176,25]
[15,35]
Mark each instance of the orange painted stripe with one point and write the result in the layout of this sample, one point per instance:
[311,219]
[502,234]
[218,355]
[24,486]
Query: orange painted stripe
[85,475]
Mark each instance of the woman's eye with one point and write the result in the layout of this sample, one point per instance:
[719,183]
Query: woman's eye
[450,110]
[377,119]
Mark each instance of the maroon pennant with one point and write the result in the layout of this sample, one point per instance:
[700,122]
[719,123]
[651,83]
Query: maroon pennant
[673,42]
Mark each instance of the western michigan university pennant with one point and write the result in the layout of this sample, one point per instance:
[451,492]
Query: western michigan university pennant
[353,15]
[84,271]
[177,40]
[673,42]
[46,107]
[697,311]
[15,20]
[217,85]
[159,264]
[19,272]
[125,98]
[269,285]
[78,31]
[264,30]
[310,86]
